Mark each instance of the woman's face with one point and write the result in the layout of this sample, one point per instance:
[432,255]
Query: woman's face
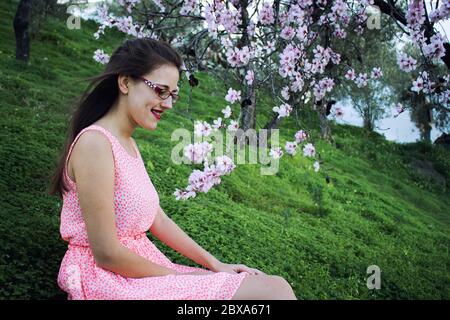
[145,106]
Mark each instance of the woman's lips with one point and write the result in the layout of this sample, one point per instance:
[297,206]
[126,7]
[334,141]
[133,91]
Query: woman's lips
[156,115]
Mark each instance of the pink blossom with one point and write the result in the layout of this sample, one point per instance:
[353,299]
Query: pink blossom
[101,57]
[233,126]
[198,152]
[285,93]
[250,76]
[266,14]
[183,194]
[435,50]
[406,63]
[376,73]
[224,165]
[361,81]
[226,112]
[202,128]
[316,166]
[291,148]
[287,33]
[217,123]
[276,153]
[233,96]
[350,75]
[309,150]
[300,136]
[283,111]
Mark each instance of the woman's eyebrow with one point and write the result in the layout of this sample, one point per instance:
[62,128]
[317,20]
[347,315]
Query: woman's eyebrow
[167,87]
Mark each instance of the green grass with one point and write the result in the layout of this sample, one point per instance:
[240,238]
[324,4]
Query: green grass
[320,236]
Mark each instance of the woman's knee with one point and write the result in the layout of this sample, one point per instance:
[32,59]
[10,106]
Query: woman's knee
[269,287]
[284,287]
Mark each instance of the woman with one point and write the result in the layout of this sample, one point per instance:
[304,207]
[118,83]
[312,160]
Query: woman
[109,201]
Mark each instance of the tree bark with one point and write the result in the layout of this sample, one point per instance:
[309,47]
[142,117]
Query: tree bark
[20,23]
[325,131]
[248,106]
[248,111]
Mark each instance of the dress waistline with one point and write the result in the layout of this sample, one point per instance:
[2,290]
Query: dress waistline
[135,237]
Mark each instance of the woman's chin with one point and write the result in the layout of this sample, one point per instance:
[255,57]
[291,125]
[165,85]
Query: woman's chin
[152,125]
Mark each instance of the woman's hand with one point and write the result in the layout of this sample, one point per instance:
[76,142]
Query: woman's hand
[235,269]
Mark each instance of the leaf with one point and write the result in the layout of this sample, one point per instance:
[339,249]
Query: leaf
[150,165]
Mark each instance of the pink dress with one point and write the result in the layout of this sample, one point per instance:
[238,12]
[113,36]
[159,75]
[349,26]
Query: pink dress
[136,203]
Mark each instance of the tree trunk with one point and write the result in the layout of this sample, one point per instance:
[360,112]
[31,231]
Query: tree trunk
[367,124]
[425,134]
[325,131]
[426,120]
[247,117]
[21,22]
[248,111]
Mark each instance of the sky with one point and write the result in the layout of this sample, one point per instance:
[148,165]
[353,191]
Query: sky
[399,129]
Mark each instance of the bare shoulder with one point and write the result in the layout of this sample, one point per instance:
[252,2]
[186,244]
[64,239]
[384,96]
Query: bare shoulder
[92,149]
[92,141]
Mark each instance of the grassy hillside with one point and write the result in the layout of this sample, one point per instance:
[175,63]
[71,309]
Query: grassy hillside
[377,209]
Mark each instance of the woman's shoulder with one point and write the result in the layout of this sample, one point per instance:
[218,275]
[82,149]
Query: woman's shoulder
[91,144]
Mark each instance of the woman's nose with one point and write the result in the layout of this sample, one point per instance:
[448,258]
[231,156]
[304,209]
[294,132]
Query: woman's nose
[167,103]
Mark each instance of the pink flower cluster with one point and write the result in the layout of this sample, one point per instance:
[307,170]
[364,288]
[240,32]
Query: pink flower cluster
[188,6]
[283,111]
[322,87]
[203,181]
[276,153]
[441,13]
[238,57]
[309,150]
[202,128]
[217,14]
[288,59]
[424,83]
[250,76]
[301,136]
[291,148]
[435,50]
[266,15]
[376,73]
[415,17]
[233,96]
[361,81]
[406,63]
[101,57]
[198,152]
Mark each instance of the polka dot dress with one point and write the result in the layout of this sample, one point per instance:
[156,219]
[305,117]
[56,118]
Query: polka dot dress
[136,203]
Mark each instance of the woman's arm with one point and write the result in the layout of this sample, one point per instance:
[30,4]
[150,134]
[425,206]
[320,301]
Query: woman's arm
[93,165]
[171,234]
[129,264]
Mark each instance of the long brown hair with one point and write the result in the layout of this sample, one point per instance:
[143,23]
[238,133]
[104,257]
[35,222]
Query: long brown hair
[134,58]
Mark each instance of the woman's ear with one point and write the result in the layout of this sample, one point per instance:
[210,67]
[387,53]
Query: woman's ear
[123,82]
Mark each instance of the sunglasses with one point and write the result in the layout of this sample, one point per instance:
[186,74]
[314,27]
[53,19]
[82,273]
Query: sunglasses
[163,93]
